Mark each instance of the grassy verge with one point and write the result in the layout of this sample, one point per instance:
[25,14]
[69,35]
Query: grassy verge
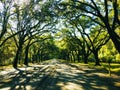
[104,68]
[114,67]
[5,67]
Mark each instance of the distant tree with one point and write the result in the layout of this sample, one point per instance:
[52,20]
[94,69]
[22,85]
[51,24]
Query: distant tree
[69,45]
[95,38]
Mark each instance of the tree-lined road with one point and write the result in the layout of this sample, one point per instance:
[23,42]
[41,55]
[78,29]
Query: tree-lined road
[56,75]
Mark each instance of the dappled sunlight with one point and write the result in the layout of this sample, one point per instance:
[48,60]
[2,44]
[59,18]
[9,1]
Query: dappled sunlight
[59,45]
[116,70]
[6,88]
[117,84]
[100,88]
[57,76]
[70,86]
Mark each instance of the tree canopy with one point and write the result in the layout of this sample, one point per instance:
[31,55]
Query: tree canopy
[75,30]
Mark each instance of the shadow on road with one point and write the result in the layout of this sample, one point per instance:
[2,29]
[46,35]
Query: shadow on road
[64,77]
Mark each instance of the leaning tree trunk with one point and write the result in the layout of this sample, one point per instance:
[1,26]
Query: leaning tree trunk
[113,35]
[115,39]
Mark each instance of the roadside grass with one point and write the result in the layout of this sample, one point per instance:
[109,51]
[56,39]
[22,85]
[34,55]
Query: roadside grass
[5,67]
[11,66]
[104,68]
[114,67]
[22,65]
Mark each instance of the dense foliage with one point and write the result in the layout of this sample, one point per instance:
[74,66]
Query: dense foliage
[74,30]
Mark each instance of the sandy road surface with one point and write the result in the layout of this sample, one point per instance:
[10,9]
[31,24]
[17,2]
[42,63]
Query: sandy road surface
[55,75]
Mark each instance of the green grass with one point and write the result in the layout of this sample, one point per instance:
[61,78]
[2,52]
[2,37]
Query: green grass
[5,67]
[114,67]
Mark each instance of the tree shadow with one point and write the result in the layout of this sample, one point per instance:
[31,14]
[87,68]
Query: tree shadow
[87,80]
[26,80]
[83,80]
[71,78]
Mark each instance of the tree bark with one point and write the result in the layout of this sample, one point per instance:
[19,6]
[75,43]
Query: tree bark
[26,56]
[17,56]
[41,55]
[19,50]
[115,39]
[85,59]
[73,56]
[97,61]
[78,56]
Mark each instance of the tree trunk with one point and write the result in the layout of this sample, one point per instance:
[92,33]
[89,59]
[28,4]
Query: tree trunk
[26,56]
[41,57]
[115,39]
[78,56]
[67,56]
[113,35]
[4,28]
[70,58]
[97,61]
[85,59]
[73,56]
[38,55]
[17,56]
[19,50]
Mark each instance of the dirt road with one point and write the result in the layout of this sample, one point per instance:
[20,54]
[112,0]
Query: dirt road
[56,75]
